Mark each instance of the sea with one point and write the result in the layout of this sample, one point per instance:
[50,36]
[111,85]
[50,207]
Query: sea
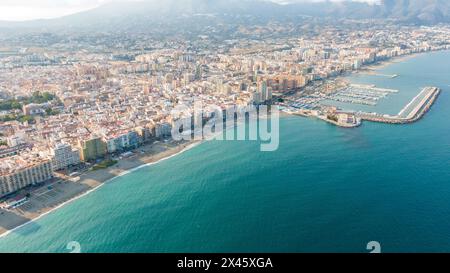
[326,189]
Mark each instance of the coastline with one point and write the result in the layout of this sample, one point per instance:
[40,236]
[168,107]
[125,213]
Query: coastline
[371,69]
[91,181]
[393,60]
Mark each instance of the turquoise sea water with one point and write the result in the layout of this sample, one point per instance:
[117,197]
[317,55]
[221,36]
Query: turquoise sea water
[414,74]
[326,189]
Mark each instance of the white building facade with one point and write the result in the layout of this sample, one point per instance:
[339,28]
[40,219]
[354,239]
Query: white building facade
[63,156]
[20,178]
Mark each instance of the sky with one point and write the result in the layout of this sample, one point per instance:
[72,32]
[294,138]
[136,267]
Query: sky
[21,10]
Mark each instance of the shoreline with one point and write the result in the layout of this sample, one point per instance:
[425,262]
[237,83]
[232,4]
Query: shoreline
[371,69]
[91,181]
[94,180]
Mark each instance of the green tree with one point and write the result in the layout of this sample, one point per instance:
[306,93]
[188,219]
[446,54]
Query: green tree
[10,105]
[16,105]
[51,112]
[26,118]
[38,97]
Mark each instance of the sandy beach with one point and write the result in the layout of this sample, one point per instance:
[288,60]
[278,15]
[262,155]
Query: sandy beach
[372,69]
[59,192]
[393,60]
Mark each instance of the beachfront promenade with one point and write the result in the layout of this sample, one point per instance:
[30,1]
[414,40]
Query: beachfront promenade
[412,112]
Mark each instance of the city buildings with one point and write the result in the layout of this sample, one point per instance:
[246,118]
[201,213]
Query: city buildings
[64,156]
[92,148]
[19,172]
[106,94]
[122,142]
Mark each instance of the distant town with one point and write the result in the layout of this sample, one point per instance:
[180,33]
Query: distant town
[70,105]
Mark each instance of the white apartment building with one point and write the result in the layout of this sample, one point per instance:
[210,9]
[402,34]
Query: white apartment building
[63,156]
[18,173]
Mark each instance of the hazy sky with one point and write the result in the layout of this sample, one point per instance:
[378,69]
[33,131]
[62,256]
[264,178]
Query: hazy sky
[19,10]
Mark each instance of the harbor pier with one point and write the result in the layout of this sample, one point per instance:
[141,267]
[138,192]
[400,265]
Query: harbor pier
[412,112]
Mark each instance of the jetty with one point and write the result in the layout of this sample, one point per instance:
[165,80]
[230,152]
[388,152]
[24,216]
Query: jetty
[393,76]
[412,112]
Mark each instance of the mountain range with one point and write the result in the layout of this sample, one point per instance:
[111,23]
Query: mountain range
[151,11]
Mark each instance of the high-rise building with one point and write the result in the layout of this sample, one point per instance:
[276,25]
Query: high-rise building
[256,98]
[63,156]
[144,133]
[263,90]
[17,173]
[163,130]
[92,148]
[198,72]
[269,93]
[122,142]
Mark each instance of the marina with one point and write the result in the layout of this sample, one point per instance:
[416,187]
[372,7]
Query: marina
[310,106]
[361,94]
